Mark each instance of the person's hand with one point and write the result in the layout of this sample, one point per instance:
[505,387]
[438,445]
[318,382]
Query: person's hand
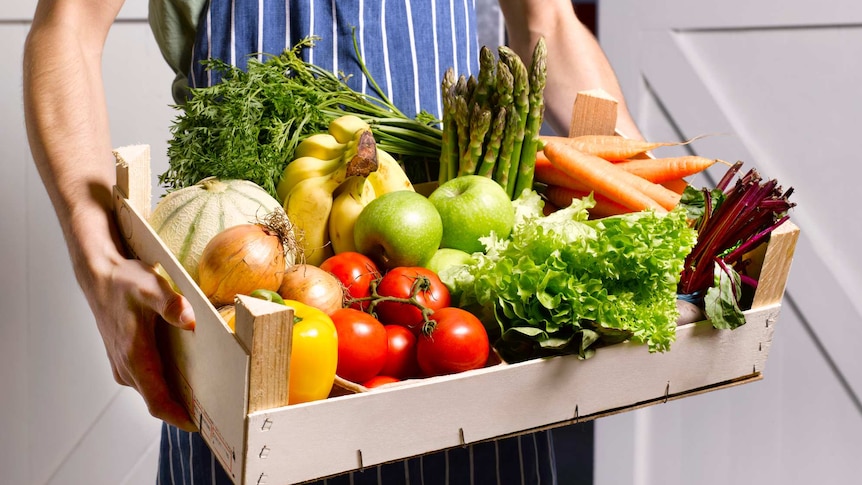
[129,299]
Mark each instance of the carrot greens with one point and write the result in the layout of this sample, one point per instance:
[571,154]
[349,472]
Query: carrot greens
[248,125]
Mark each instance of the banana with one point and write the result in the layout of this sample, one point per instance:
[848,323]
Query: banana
[344,127]
[389,175]
[308,205]
[305,167]
[319,145]
[350,198]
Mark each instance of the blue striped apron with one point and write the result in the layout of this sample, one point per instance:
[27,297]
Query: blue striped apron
[406,45]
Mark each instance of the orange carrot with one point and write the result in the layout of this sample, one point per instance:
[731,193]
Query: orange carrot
[563,196]
[611,147]
[677,185]
[660,170]
[545,172]
[605,178]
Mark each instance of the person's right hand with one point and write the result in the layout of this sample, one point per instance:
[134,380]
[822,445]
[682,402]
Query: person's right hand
[129,299]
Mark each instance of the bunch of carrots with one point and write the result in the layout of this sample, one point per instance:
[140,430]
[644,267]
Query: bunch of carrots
[616,170]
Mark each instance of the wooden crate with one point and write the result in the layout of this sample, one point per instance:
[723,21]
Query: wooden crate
[235,384]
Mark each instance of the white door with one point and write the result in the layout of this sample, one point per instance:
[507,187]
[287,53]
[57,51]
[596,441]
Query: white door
[778,84]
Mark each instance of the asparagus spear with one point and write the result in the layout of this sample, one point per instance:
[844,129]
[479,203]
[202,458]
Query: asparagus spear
[480,121]
[538,78]
[495,138]
[449,142]
[520,94]
[504,160]
[487,77]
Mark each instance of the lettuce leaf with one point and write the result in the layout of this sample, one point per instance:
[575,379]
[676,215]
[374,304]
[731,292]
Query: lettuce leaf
[565,284]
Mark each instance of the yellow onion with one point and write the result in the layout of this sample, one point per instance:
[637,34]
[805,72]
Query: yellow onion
[244,258]
[313,286]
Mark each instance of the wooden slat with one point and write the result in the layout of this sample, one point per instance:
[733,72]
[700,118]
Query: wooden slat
[776,265]
[265,328]
[594,113]
[133,176]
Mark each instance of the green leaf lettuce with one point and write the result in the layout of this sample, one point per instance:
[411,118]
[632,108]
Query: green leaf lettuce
[565,284]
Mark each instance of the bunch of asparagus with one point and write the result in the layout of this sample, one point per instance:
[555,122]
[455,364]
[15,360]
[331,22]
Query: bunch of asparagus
[491,121]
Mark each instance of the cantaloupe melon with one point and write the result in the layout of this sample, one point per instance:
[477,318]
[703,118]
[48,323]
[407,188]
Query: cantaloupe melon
[186,219]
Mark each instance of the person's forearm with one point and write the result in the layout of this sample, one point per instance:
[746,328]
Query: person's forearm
[576,62]
[67,125]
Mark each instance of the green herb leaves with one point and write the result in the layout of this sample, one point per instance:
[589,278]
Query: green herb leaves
[248,125]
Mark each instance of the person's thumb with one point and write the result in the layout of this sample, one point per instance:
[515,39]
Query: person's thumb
[175,308]
[179,312]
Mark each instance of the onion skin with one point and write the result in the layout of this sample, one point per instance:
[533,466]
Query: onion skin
[313,286]
[239,260]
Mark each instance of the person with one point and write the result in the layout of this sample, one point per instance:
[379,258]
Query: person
[68,132]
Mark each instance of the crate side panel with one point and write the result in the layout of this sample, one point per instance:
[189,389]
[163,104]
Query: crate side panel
[208,366]
[313,440]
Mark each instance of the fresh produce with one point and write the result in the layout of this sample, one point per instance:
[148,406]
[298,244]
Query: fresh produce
[249,124]
[491,122]
[565,284]
[609,180]
[356,272]
[378,381]
[456,341]
[401,353]
[563,196]
[244,258]
[188,218]
[313,354]
[731,220]
[399,228]
[611,147]
[325,199]
[661,170]
[362,344]
[348,201]
[447,257]
[409,291]
[313,286]
[472,207]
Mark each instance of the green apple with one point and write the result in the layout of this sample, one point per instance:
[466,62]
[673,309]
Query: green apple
[399,228]
[447,257]
[472,206]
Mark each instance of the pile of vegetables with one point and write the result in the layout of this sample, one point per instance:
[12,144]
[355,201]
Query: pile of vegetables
[248,125]
[565,284]
[606,238]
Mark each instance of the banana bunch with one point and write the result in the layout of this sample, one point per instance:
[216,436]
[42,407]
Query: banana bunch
[332,177]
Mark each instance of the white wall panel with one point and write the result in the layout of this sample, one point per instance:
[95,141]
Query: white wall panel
[14,184]
[786,97]
[65,420]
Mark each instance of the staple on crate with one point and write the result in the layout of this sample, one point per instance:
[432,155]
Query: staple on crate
[577,417]
[261,480]
[264,453]
[461,436]
[266,425]
[666,391]
[361,464]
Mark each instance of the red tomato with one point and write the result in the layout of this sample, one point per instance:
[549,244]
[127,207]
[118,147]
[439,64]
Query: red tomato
[400,283]
[362,344]
[457,343]
[401,356]
[378,381]
[356,272]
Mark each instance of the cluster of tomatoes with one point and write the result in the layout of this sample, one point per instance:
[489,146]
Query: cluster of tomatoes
[400,324]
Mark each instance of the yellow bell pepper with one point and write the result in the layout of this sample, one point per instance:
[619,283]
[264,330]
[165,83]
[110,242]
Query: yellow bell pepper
[314,351]
[314,354]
